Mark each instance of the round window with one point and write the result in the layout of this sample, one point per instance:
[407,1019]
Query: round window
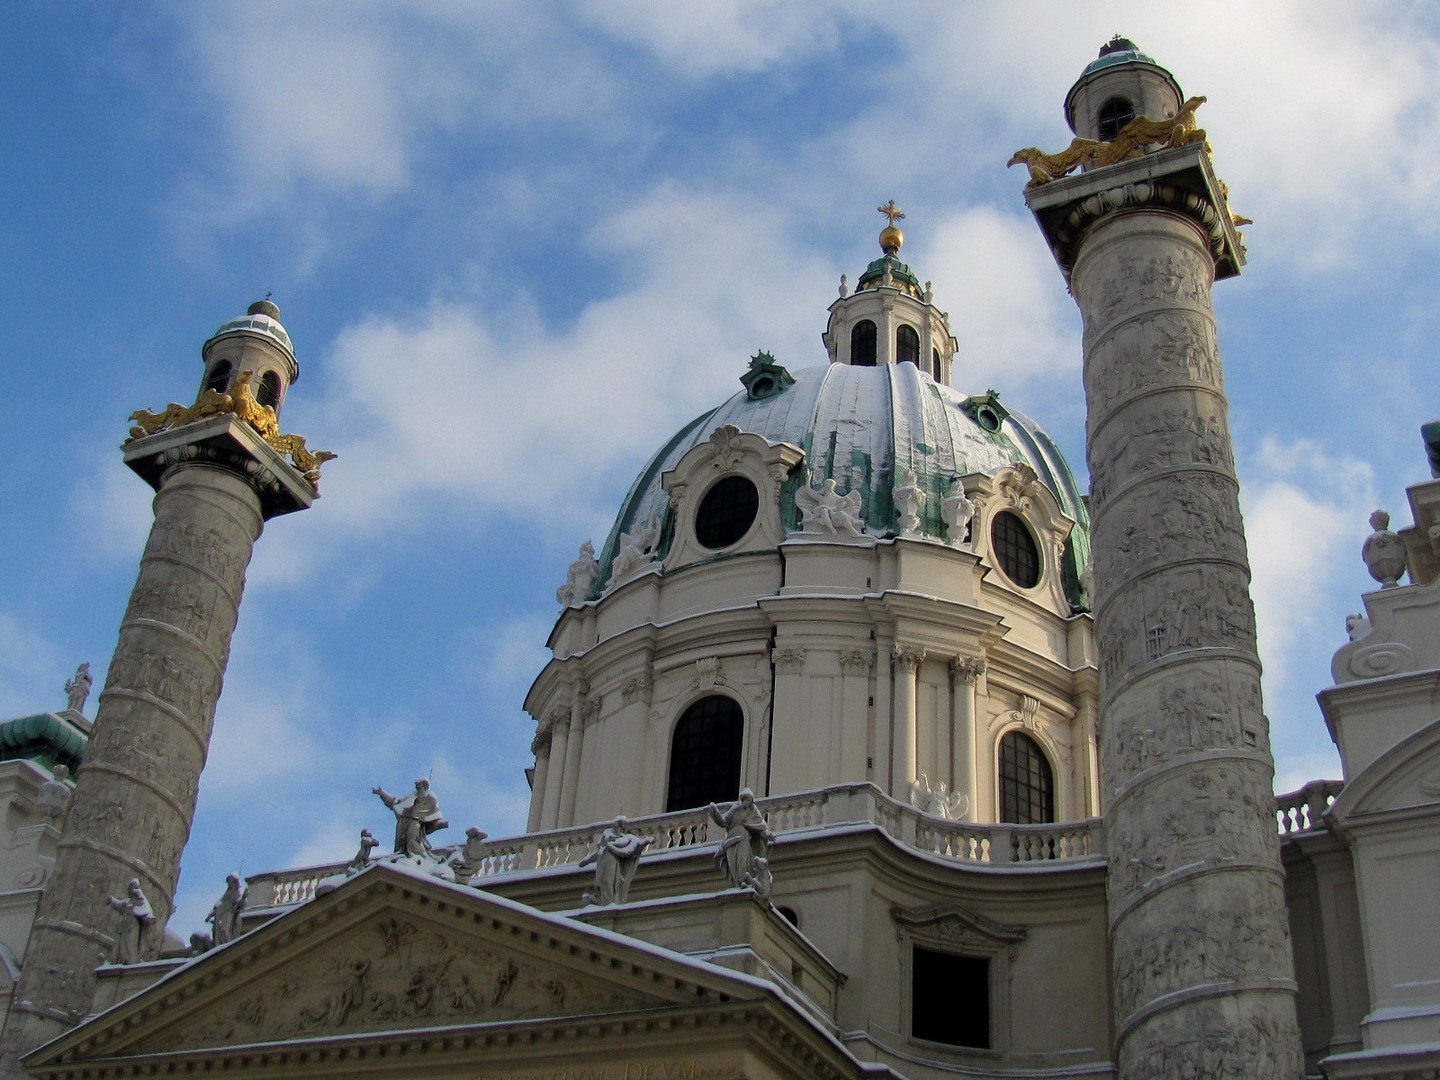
[1015,549]
[726,512]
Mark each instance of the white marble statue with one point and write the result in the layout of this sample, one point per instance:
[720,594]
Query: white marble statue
[78,688]
[956,511]
[747,839]
[937,799]
[225,915]
[908,501]
[637,549]
[825,512]
[361,858]
[53,798]
[466,859]
[616,857]
[132,943]
[416,817]
[580,578]
[1384,552]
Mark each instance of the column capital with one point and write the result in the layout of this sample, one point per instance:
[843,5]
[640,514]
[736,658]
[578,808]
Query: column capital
[967,669]
[1179,179]
[908,657]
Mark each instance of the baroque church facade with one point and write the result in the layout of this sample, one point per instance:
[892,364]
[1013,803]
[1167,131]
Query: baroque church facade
[882,746]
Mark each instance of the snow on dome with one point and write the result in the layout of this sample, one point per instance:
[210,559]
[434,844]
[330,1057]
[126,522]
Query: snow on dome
[861,426]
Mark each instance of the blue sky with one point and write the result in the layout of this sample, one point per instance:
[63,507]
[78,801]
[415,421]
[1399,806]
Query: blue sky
[519,244]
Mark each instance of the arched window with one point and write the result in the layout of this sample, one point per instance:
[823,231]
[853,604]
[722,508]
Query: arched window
[935,363]
[219,380]
[1114,115]
[1027,786]
[269,392]
[705,754]
[907,346]
[862,344]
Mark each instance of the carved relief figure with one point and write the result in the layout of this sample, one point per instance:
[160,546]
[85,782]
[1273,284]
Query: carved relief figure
[616,857]
[747,838]
[78,688]
[416,817]
[132,943]
[825,512]
[225,915]
[580,578]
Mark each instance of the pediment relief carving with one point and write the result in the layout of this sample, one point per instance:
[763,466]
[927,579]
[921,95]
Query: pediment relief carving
[367,960]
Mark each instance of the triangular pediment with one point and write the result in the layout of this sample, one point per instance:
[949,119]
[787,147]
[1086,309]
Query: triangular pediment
[390,951]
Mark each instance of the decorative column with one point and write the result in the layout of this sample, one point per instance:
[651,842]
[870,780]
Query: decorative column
[218,476]
[854,733]
[1203,977]
[965,672]
[881,739]
[790,767]
[559,722]
[907,659]
[570,775]
[540,747]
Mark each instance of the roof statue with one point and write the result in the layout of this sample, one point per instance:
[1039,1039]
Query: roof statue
[1140,136]
[825,512]
[416,816]
[616,857]
[743,854]
[78,688]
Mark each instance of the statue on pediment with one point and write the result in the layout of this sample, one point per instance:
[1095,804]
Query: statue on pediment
[225,915]
[416,817]
[132,943]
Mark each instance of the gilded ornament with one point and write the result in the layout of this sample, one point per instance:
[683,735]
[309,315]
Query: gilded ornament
[241,404]
[1131,142]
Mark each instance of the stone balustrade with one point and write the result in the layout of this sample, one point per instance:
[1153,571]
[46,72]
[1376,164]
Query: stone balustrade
[1303,810]
[844,804]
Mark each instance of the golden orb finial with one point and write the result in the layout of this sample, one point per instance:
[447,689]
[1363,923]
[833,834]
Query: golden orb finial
[891,238]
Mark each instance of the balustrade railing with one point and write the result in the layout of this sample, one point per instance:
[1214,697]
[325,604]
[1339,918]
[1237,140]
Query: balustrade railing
[961,841]
[1304,810]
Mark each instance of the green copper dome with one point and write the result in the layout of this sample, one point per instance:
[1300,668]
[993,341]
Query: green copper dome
[863,426]
[1116,51]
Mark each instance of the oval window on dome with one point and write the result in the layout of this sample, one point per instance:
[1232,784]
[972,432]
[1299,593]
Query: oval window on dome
[726,512]
[1015,549]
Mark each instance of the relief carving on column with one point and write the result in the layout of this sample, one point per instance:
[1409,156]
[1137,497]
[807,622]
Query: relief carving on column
[1199,611]
[1198,517]
[1161,349]
[908,657]
[1158,439]
[1179,277]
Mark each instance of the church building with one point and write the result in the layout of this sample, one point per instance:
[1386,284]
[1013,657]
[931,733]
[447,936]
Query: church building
[875,740]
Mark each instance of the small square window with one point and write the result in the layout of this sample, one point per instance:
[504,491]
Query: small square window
[950,998]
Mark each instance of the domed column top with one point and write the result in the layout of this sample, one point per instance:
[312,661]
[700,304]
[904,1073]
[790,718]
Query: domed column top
[1116,87]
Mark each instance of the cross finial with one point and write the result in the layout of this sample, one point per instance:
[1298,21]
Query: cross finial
[891,211]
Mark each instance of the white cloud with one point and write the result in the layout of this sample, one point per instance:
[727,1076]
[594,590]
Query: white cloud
[489,401]
[32,668]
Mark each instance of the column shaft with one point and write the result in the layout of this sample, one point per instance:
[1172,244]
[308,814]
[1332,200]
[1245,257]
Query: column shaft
[1203,979]
[135,793]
